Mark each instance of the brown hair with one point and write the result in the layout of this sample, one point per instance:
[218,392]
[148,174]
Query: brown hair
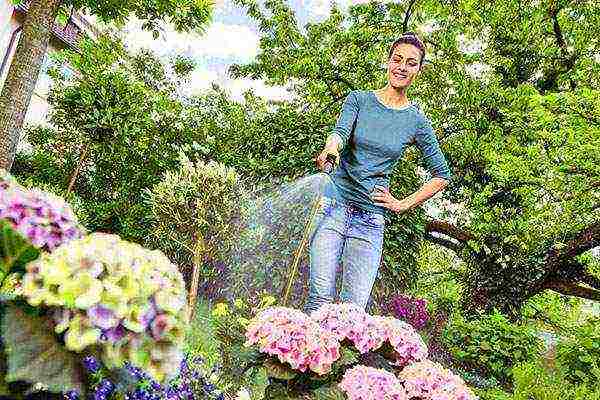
[409,38]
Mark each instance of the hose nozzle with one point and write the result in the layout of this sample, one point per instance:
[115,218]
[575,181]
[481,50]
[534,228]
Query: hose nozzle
[329,164]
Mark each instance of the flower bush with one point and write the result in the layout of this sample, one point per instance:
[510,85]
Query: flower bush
[409,309]
[108,292]
[192,382]
[367,383]
[348,321]
[491,344]
[293,338]
[406,342]
[368,333]
[428,380]
[46,220]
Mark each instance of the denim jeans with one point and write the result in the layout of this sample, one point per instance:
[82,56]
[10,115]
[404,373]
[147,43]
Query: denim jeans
[354,237]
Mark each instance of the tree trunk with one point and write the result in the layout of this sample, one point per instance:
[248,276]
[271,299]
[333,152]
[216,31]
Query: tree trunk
[82,157]
[22,75]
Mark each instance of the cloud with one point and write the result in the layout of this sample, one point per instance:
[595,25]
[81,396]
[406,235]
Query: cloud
[202,78]
[220,41]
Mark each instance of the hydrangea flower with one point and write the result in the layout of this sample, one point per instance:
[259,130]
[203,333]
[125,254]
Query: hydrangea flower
[367,383]
[104,290]
[428,380]
[407,343]
[409,309]
[293,338]
[348,321]
[46,220]
[368,333]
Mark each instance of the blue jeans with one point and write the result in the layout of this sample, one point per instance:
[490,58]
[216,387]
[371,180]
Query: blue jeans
[346,234]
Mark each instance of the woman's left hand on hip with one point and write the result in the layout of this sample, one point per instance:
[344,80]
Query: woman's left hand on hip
[385,199]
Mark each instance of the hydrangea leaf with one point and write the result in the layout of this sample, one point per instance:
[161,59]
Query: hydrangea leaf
[35,355]
[15,250]
[277,370]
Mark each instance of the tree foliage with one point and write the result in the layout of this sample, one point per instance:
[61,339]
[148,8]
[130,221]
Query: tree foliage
[512,90]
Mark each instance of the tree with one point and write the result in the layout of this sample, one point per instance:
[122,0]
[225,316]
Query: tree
[517,117]
[118,128]
[22,75]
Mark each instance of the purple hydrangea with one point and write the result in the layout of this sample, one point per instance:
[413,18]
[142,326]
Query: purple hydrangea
[46,220]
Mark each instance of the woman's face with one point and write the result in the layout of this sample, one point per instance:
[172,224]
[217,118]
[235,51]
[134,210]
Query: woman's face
[403,66]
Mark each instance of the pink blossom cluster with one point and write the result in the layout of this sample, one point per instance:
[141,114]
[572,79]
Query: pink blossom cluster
[405,340]
[367,383]
[348,321]
[367,333]
[428,380]
[293,338]
[47,221]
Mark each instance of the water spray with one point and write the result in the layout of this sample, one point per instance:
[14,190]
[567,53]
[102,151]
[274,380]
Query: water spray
[328,168]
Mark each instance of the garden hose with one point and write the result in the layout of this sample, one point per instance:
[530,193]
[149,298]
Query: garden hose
[328,169]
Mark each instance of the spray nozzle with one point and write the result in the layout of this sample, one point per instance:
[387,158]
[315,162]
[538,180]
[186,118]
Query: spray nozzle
[329,163]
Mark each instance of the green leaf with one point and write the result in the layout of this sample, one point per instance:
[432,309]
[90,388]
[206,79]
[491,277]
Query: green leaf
[34,354]
[15,249]
[580,374]
[485,346]
[277,370]
[259,381]
[348,356]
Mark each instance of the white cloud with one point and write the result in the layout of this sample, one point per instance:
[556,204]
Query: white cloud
[202,78]
[321,8]
[238,42]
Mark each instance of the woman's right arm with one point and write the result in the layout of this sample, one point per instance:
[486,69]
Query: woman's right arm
[341,133]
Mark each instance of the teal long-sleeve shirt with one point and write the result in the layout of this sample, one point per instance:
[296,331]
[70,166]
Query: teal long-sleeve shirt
[374,138]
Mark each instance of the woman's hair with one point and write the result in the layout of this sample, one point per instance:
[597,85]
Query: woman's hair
[409,38]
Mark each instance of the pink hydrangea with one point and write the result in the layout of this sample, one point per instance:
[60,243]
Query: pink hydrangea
[428,380]
[368,333]
[404,339]
[367,383]
[348,321]
[293,338]
[47,221]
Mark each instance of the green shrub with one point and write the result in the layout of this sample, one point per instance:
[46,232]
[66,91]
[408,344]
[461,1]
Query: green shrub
[534,382]
[194,212]
[491,344]
[579,355]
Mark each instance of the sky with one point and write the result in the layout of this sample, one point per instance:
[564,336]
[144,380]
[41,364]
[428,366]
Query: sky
[231,38]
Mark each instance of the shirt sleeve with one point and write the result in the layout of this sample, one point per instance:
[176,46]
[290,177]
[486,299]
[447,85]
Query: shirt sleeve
[429,146]
[345,121]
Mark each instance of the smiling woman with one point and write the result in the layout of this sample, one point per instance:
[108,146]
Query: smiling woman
[370,136]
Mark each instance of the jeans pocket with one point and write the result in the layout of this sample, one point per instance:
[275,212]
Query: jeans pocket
[375,220]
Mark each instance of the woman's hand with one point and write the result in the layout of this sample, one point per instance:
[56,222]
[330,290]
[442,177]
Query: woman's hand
[384,198]
[322,158]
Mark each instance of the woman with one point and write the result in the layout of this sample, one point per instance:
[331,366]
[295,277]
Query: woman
[370,136]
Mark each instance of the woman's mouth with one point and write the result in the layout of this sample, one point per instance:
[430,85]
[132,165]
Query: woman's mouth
[400,76]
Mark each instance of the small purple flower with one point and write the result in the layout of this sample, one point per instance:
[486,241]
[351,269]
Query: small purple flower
[91,364]
[72,395]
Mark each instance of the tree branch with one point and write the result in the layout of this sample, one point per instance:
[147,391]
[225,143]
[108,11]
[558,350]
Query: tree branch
[407,15]
[449,230]
[444,242]
[590,280]
[585,240]
[572,289]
